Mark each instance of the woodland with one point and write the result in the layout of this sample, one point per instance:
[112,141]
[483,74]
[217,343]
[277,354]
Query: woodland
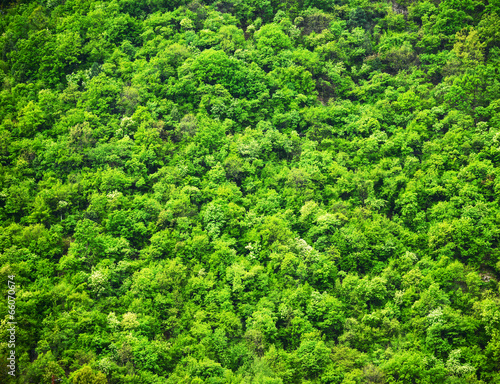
[250,191]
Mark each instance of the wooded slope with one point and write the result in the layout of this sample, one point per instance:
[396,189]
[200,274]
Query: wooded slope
[267,192]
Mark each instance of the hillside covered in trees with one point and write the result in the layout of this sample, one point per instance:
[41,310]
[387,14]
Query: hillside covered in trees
[251,191]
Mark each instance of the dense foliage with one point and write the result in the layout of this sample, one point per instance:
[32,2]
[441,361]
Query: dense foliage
[270,192]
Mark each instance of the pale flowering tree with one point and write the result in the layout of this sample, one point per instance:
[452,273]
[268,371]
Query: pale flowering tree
[98,281]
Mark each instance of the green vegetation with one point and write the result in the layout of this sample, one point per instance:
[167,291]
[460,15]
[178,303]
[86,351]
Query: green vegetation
[268,192]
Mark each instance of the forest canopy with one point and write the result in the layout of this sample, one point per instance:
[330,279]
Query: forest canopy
[250,191]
